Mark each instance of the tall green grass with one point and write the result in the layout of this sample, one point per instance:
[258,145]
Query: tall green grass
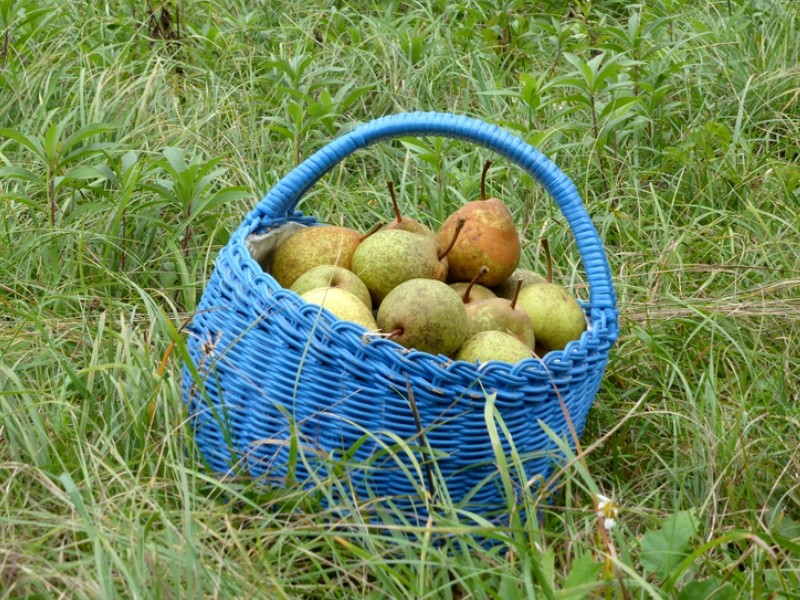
[134,136]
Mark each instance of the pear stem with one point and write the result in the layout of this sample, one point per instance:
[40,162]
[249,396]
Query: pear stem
[459,227]
[483,271]
[394,333]
[397,215]
[549,259]
[374,228]
[516,293]
[485,170]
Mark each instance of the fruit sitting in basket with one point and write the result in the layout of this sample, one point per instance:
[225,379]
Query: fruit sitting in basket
[457,292]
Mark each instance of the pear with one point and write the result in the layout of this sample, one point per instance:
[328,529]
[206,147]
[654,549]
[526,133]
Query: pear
[473,292]
[557,317]
[425,314]
[405,223]
[389,257]
[493,345]
[499,314]
[332,276]
[343,304]
[313,246]
[489,238]
[506,289]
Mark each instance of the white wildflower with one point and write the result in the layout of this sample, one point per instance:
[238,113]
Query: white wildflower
[608,510]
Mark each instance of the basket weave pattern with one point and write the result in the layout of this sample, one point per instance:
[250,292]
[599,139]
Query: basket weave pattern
[270,363]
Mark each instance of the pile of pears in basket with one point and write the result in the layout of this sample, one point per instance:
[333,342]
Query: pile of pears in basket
[456,292]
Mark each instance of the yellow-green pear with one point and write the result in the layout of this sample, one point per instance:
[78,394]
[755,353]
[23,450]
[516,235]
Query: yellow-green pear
[332,276]
[343,304]
[499,314]
[473,292]
[493,345]
[557,317]
[425,314]
[313,246]
[507,287]
[389,257]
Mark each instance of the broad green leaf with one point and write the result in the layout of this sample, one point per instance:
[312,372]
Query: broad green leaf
[81,152]
[176,160]
[583,575]
[88,131]
[128,160]
[19,173]
[665,548]
[707,589]
[32,144]
[51,142]
[82,173]
[209,203]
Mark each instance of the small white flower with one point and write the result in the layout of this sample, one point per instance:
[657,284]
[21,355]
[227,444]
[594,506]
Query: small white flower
[602,501]
[608,510]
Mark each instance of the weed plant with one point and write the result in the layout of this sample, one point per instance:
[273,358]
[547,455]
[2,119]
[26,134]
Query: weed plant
[134,137]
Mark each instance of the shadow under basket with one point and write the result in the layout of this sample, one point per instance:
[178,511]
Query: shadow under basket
[282,391]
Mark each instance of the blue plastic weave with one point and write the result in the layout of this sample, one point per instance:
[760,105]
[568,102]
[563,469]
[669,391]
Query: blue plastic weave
[269,364]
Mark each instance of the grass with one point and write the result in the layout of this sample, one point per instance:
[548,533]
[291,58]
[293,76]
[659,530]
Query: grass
[133,138]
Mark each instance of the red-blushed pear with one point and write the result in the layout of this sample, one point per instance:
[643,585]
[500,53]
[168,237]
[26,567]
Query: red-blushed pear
[425,314]
[557,317]
[493,345]
[489,238]
[389,257]
[343,304]
[473,292]
[499,314]
[332,276]
[405,223]
[310,247]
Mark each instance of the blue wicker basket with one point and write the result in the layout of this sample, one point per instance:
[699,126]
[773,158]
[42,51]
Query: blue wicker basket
[271,377]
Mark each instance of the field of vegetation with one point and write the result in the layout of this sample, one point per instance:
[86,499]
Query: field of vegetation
[134,137]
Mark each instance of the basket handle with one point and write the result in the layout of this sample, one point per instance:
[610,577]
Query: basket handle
[283,198]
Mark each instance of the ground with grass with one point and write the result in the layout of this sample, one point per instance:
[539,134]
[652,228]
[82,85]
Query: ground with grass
[134,137]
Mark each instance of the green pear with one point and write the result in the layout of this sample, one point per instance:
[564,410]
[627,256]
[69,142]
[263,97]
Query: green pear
[493,345]
[557,317]
[389,257]
[473,292]
[332,276]
[313,246]
[507,287]
[425,314]
[499,314]
[405,223]
[343,304]
[489,237]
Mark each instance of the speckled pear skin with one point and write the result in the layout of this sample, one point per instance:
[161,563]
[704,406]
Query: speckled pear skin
[332,276]
[496,314]
[493,345]
[410,225]
[313,246]
[388,258]
[476,294]
[430,313]
[557,317]
[489,237]
[507,287]
[343,304]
